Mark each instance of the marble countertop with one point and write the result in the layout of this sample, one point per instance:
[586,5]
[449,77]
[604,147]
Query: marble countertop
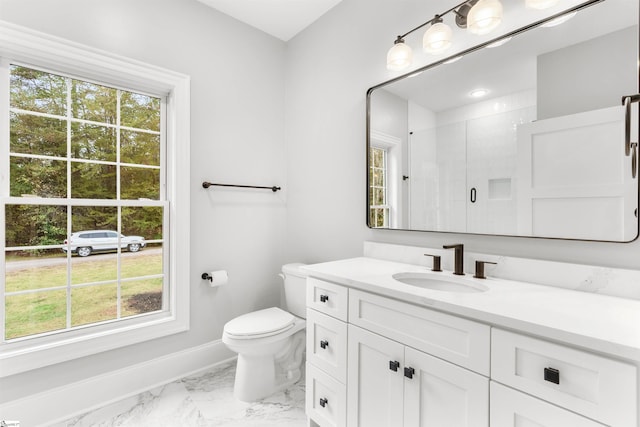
[606,324]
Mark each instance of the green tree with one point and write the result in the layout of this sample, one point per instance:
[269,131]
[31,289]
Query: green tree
[41,92]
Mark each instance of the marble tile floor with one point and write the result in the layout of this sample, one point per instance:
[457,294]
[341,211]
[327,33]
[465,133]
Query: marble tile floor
[205,399]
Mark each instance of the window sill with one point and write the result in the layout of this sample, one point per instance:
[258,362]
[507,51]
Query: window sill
[40,352]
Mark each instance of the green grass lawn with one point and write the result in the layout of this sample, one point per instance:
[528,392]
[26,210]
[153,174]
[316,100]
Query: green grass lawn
[46,311]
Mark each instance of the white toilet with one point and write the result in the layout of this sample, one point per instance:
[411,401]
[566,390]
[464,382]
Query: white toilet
[270,343]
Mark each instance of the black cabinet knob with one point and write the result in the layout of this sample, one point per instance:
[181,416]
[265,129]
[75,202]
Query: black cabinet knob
[323,402]
[324,298]
[324,344]
[552,375]
[394,365]
[408,372]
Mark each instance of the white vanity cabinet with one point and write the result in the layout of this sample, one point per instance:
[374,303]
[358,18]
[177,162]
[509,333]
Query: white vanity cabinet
[511,408]
[394,374]
[326,368]
[595,386]
[398,362]
[390,384]
[395,380]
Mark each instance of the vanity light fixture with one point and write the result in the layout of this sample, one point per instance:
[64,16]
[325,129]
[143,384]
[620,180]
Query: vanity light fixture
[399,56]
[478,16]
[438,37]
[484,16]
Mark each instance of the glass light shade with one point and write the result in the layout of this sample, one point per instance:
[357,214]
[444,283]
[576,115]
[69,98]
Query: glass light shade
[484,16]
[540,4]
[399,57]
[437,38]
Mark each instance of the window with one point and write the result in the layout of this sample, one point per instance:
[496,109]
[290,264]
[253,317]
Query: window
[378,185]
[96,236]
[79,154]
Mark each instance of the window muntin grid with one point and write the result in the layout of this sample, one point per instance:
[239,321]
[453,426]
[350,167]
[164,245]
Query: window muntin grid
[65,116]
[378,188]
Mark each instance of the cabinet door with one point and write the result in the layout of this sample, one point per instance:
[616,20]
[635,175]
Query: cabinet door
[510,408]
[441,394]
[374,389]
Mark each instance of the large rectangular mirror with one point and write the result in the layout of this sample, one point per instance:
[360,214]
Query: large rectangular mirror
[538,150]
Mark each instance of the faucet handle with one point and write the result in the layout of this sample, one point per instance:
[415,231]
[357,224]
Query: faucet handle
[480,269]
[436,262]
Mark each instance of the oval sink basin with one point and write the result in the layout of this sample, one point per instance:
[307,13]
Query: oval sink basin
[439,283]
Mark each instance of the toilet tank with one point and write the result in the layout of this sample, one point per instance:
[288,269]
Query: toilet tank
[295,289]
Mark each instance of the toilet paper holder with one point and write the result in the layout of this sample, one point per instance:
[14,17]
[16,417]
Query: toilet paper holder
[207,276]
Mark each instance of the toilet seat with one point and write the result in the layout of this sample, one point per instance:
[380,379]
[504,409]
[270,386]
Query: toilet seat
[259,324]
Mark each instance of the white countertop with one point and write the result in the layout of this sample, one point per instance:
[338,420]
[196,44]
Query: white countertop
[610,325]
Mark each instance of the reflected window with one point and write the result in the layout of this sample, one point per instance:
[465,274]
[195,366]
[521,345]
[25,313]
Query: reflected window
[378,188]
[86,210]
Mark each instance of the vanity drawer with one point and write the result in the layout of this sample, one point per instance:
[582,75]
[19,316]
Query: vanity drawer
[511,408]
[326,399]
[327,298]
[327,344]
[460,341]
[598,387]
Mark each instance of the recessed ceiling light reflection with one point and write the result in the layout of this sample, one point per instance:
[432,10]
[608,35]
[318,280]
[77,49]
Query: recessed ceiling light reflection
[559,20]
[499,42]
[478,93]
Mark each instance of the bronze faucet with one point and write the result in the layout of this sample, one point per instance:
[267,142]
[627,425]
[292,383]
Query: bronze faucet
[458,258]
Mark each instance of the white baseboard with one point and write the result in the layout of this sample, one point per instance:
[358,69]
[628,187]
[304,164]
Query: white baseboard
[59,404]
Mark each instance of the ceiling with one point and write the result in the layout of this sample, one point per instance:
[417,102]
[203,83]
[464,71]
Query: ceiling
[280,18]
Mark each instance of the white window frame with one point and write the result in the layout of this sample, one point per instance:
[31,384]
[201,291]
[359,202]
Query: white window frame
[47,52]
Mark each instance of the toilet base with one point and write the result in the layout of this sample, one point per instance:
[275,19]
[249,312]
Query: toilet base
[260,376]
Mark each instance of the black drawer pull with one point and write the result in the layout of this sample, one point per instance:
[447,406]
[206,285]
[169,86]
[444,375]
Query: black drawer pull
[408,372]
[324,298]
[324,344]
[323,402]
[552,375]
[394,365]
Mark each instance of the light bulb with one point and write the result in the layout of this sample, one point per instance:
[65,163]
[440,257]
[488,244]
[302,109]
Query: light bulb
[437,38]
[540,4]
[484,16]
[399,56]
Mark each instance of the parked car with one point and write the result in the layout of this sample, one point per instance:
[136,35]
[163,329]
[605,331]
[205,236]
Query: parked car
[84,243]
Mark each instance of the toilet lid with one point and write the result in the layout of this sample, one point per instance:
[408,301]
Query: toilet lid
[261,322]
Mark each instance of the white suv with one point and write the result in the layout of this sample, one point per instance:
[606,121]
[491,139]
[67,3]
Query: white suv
[84,243]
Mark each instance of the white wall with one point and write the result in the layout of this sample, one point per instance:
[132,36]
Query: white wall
[330,66]
[237,133]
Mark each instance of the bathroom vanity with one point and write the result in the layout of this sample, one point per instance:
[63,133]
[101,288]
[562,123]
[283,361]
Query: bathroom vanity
[495,352]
